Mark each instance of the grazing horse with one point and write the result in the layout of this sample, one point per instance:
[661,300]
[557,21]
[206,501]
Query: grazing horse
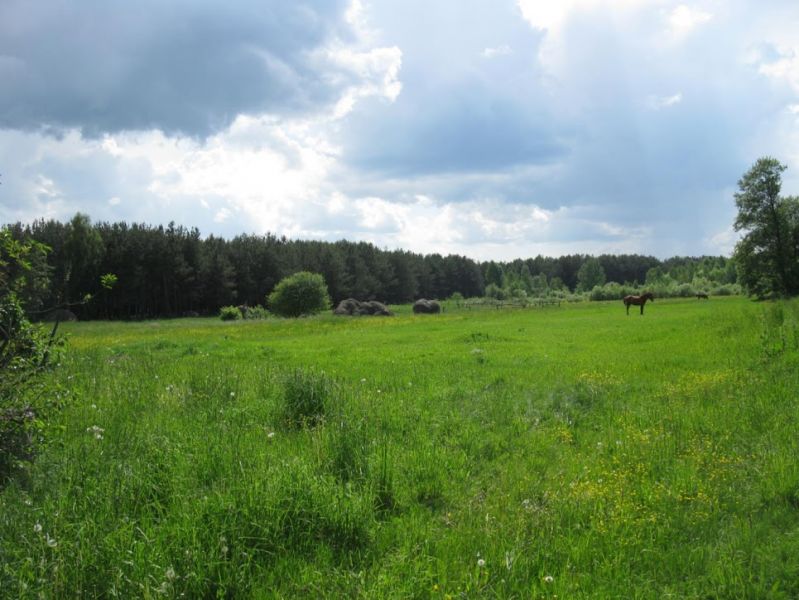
[638,301]
[702,296]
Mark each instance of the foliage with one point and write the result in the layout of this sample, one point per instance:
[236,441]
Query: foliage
[768,254]
[300,294]
[172,270]
[496,292]
[494,275]
[257,312]
[25,350]
[591,274]
[230,313]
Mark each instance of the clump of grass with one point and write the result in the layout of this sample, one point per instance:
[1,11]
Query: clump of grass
[384,495]
[347,445]
[307,395]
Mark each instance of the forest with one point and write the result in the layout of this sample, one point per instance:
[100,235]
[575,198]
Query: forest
[174,270]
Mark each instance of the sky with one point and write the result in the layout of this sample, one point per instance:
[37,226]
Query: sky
[495,129]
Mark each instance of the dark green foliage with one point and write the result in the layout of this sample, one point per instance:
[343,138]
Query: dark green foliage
[590,274]
[173,271]
[300,294]
[230,313]
[494,275]
[25,350]
[768,254]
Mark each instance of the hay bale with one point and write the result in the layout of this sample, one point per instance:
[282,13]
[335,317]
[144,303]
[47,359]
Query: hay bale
[354,308]
[347,307]
[429,307]
[375,308]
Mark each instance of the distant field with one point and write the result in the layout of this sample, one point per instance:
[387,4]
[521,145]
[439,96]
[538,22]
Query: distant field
[568,451]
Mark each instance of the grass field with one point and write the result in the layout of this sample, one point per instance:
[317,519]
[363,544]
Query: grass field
[570,452]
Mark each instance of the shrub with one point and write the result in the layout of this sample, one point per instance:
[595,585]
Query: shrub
[257,312]
[26,398]
[728,289]
[303,293]
[230,313]
[496,292]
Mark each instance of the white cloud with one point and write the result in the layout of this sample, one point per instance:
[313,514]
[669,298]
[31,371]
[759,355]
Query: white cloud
[785,68]
[722,242]
[503,50]
[552,15]
[660,102]
[684,19]
[377,71]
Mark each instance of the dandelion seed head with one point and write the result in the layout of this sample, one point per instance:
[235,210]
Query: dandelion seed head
[548,579]
[481,562]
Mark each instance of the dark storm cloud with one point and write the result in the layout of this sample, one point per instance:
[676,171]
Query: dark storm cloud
[183,67]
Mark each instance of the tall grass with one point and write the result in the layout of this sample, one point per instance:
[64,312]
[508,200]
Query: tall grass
[574,452]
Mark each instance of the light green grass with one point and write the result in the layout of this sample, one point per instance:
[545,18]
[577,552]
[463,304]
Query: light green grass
[569,451]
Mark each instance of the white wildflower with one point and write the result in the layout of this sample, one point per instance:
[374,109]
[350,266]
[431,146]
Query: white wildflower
[170,574]
[270,435]
[481,562]
[37,528]
[50,541]
[548,579]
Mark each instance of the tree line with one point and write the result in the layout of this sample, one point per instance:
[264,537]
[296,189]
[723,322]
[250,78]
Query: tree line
[174,270]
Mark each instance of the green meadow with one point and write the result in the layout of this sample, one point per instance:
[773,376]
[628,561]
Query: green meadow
[569,452]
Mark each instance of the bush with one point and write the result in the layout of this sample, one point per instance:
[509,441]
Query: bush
[612,291]
[26,398]
[257,312]
[303,293]
[230,313]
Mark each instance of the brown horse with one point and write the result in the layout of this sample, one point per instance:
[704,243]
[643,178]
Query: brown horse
[702,296]
[638,301]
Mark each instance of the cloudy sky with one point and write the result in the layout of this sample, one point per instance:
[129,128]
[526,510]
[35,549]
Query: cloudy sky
[490,128]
